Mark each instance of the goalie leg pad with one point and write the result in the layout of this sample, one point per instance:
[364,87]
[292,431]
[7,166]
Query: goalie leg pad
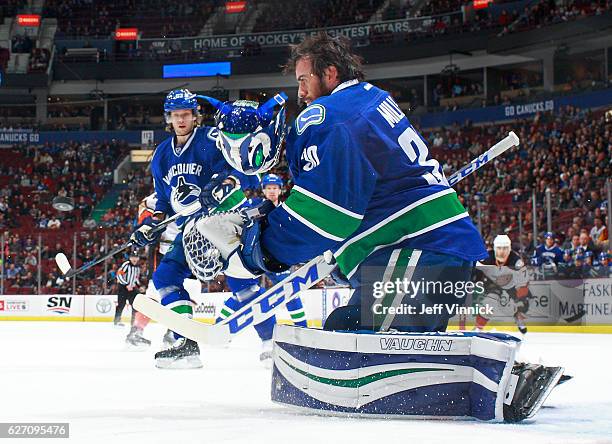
[459,375]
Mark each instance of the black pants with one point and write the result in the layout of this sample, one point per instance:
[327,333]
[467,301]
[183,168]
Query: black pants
[124,295]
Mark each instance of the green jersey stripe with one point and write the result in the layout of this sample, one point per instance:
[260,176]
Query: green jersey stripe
[418,218]
[333,220]
[326,202]
[310,225]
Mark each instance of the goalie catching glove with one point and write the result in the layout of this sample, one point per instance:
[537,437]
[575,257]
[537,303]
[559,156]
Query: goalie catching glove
[229,242]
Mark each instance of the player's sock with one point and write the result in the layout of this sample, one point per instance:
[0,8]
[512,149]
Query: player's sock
[480,323]
[141,321]
[296,312]
[229,307]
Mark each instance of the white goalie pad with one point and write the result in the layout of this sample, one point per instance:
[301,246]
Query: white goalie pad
[413,375]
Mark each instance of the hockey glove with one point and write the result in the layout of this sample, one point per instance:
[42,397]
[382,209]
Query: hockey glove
[253,255]
[222,193]
[143,236]
[236,235]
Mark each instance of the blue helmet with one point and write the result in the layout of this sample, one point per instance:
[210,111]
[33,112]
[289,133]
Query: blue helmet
[603,256]
[271,179]
[250,135]
[180,99]
[549,235]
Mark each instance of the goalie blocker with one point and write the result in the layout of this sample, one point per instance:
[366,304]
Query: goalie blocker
[457,375]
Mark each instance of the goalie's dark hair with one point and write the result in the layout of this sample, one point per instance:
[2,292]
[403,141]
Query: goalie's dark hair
[324,50]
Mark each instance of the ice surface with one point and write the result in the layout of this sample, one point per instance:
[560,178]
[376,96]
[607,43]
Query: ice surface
[82,373]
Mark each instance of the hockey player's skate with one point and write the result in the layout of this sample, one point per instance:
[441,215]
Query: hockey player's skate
[265,356]
[168,339]
[535,382]
[520,324]
[136,340]
[183,354]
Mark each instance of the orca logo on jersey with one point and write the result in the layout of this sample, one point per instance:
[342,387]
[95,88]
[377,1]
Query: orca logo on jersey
[310,156]
[313,115]
[181,193]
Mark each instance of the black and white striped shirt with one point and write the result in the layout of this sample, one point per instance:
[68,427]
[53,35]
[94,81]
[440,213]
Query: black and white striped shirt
[128,274]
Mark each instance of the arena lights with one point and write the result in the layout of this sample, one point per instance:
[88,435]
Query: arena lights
[233,7]
[126,34]
[28,20]
[481,4]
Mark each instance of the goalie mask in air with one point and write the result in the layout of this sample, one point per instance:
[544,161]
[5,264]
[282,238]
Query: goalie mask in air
[250,135]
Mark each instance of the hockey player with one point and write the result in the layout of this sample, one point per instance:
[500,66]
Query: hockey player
[366,189]
[506,279]
[271,185]
[146,209]
[182,166]
[186,169]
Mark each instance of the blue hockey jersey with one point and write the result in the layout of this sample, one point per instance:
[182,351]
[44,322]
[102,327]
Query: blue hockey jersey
[181,172]
[364,180]
[544,254]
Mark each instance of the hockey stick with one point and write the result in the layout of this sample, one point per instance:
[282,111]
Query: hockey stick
[269,302]
[258,310]
[507,142]
[64,265]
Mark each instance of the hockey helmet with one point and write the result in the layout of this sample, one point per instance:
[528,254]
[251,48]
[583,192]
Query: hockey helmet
[502,241]
[271,179]
[180,99]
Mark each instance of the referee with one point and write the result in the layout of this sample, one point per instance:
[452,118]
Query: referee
[128,277]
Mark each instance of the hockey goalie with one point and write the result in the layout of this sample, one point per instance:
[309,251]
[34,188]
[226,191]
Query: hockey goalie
[366,189]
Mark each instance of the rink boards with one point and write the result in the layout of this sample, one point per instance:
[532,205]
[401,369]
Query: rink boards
[562,306]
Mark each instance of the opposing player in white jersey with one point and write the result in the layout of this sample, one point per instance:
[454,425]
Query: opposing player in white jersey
[506,283]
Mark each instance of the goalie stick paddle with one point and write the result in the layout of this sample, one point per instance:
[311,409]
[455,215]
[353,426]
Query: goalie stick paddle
[269,302]
[64,265]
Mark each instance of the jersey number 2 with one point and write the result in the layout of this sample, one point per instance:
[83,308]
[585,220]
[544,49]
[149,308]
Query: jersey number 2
[417,152]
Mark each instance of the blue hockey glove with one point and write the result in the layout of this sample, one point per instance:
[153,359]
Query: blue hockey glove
[222,193]
[143,236]
[253,255]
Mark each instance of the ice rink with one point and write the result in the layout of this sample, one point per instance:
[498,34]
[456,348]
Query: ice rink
[83,374]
